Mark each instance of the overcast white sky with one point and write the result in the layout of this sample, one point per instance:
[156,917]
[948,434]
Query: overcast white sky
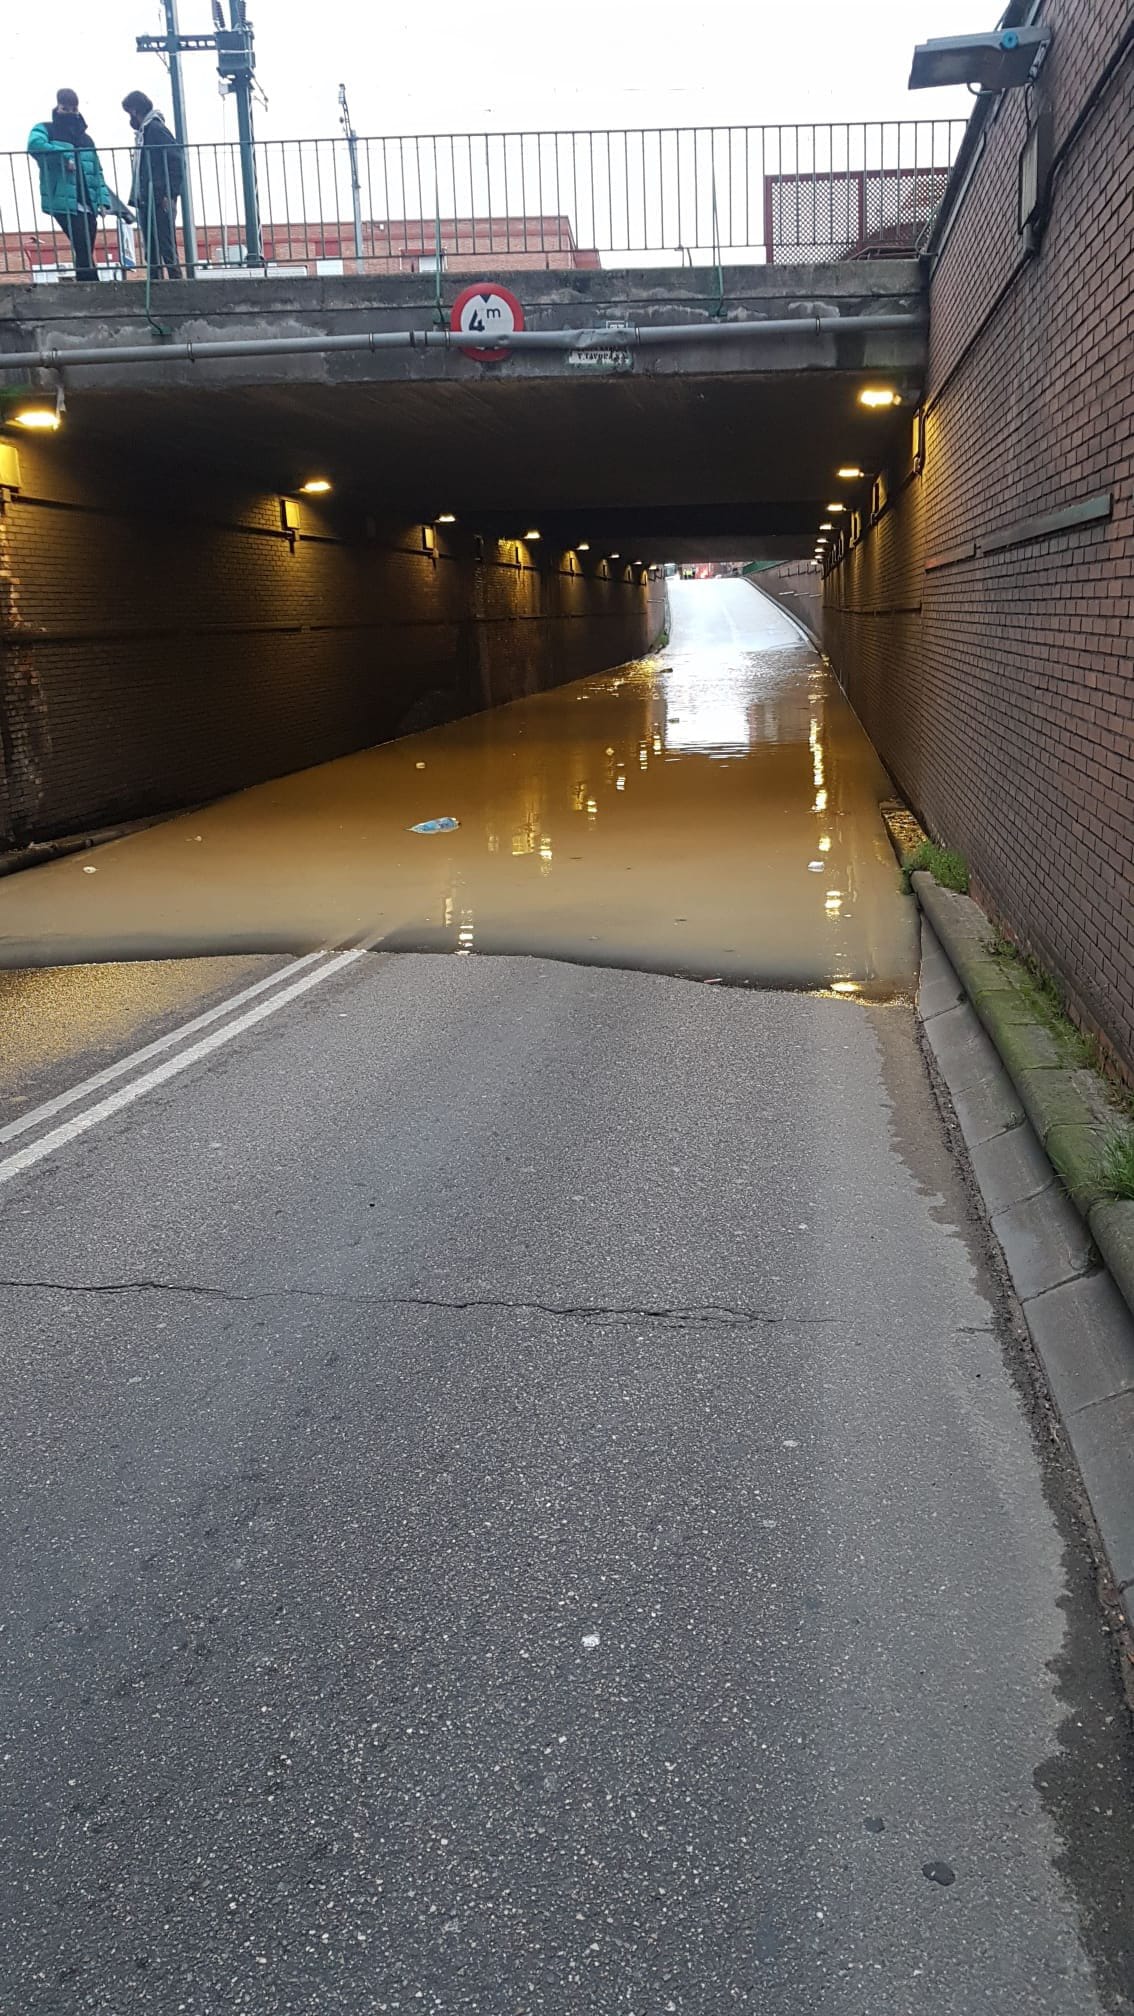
[472,65]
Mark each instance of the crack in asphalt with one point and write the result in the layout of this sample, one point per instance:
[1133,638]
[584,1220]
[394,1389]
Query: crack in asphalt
[719,1313]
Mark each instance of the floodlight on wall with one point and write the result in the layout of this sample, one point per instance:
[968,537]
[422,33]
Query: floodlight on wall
[1002,61]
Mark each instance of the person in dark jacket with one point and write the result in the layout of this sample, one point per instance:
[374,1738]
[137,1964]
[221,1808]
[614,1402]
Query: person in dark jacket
[72,188]
[159,177]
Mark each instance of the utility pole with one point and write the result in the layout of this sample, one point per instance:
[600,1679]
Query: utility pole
[171,46]
[355,184]
[236,63]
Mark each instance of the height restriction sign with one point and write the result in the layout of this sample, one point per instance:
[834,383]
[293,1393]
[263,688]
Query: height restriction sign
[482,312]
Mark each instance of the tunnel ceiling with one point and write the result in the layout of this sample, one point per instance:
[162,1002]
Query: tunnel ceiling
[676,465]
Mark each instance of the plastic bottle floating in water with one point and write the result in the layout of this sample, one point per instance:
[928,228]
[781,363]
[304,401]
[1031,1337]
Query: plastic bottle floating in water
[436,826]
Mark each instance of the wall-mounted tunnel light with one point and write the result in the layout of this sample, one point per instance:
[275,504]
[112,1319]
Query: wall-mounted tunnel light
[583,546]
[850,473]
[532,534]
[835,507]
[447,518]
[826,526]
[879,396]
[616,556]
[316,486]
[37,416]
[37,412]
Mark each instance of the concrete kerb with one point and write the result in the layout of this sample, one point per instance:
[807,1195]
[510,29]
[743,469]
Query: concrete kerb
[1062,1101]
[1043,1195]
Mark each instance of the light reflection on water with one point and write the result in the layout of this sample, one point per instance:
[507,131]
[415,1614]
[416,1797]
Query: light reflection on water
[667,816]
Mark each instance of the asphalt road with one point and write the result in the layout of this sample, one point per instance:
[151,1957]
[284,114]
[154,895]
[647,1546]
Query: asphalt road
[521,1494]
[517,1499]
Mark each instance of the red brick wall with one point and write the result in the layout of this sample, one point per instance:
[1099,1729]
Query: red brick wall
[997,682]
[161,644]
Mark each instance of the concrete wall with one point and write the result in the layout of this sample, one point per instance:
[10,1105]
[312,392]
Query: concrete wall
[989,658]
[163,640]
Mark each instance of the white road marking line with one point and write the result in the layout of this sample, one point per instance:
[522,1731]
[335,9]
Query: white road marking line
[123,1064]
[25,1158]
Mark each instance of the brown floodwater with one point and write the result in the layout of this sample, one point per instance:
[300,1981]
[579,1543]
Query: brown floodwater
[710,811]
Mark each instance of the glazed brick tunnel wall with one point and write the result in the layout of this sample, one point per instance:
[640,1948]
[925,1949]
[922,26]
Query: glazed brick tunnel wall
[996,680]
[798,589]
[162,644]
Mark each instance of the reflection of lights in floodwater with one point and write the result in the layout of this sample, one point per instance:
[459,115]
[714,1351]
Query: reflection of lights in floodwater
[447,911]
[592,808]
[816,741]
[834,902]
[824,843]
[820,804]
[465,934]
[620,783]
[643,755]
[578,797]
[657,745]
[545,847]
[844,987]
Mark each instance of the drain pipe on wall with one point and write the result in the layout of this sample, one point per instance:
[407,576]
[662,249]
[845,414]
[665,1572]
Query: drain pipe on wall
[56,357]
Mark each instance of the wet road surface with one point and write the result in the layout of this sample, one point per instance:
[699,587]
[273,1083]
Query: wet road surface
[521,1494]
[59,1024]
[711,812]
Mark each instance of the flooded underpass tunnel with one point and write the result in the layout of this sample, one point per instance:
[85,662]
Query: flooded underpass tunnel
[708,810]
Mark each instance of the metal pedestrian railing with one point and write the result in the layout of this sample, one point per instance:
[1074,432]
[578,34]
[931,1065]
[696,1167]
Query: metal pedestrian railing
[658,196]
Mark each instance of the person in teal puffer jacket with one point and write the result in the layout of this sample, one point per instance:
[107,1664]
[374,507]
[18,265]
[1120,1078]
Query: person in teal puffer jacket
[72,188]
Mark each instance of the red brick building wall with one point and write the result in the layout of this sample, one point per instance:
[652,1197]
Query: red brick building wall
[161,645]
[401,245]
[990,660]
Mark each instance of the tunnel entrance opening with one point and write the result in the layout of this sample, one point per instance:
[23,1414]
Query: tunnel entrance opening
[709,810]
